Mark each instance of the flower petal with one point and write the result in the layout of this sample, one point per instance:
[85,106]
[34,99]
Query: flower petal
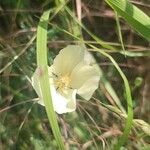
[88,58]
[36,85]
[68,58]
[64,102]
[87,89]
[85,79]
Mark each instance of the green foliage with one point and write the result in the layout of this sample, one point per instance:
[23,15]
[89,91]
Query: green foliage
[100,122]
[134,16]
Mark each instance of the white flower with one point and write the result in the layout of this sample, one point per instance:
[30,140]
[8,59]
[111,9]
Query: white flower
[74,71]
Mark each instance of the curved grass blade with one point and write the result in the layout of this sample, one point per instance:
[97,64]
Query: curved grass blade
[42,63]
[133,15]
[129,119]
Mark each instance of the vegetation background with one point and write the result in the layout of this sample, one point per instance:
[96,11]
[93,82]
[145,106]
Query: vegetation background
[95,124]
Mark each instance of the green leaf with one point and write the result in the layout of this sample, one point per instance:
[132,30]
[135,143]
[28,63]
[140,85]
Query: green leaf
[133,15]
[42,63]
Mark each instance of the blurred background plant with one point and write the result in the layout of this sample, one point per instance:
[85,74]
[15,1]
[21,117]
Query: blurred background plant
[96,124]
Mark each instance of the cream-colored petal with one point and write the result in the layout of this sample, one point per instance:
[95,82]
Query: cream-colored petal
[88,58]
[87,89]
[36,85]
[68,58]
[85,79]
[61,102]
[82,73]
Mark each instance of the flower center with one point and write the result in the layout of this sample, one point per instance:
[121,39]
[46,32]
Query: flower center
[63,82]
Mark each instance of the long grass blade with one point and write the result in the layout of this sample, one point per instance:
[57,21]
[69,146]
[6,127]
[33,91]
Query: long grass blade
[133,15]
[42,63]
